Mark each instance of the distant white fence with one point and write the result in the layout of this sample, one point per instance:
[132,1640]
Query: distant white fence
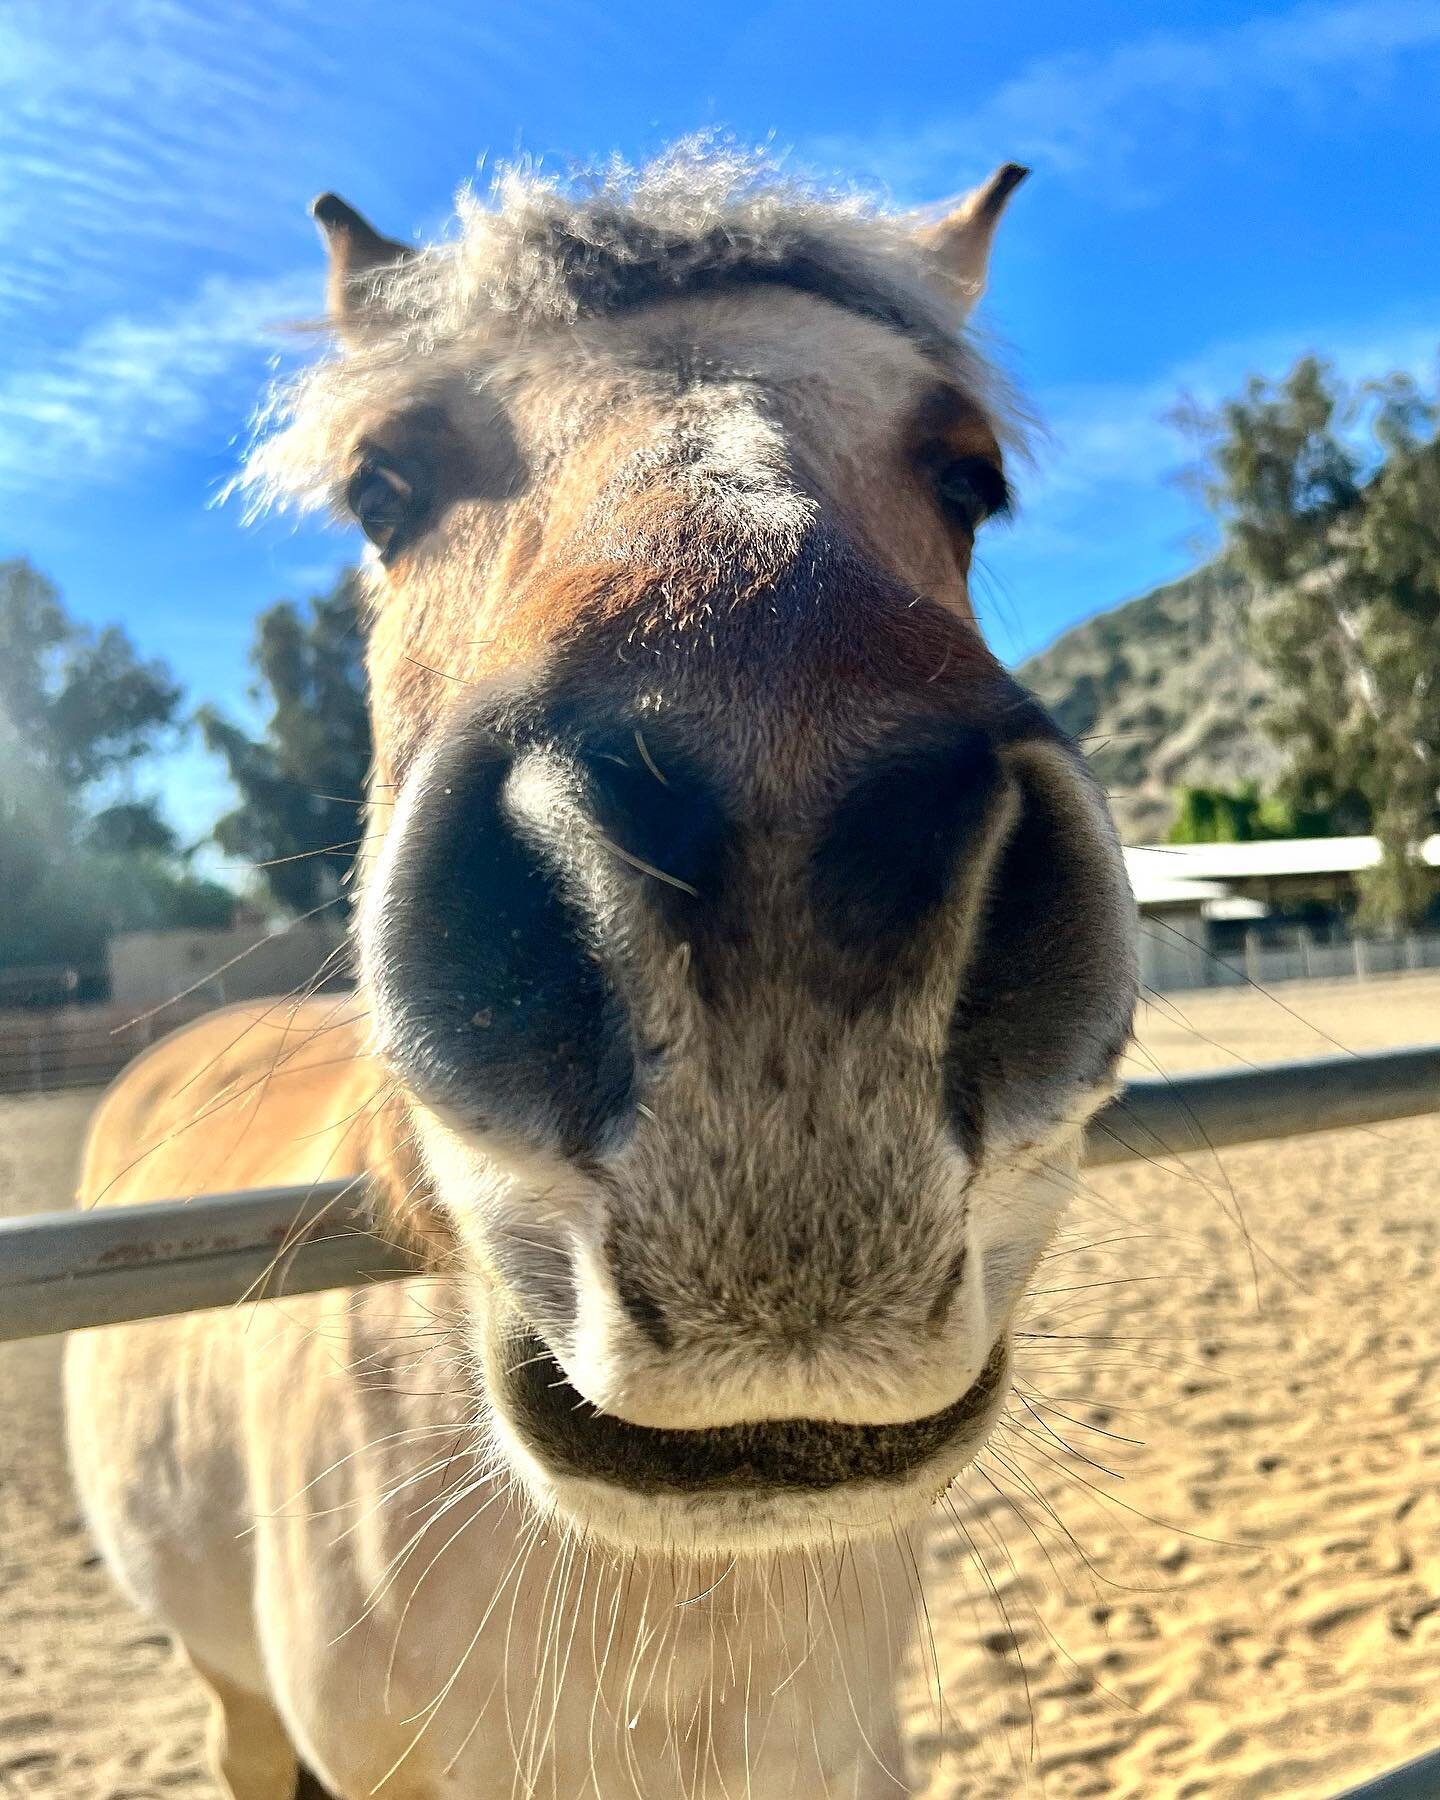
[1174,961]
[80,1046]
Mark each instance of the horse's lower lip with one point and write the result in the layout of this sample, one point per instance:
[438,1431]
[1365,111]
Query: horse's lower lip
[571,1438]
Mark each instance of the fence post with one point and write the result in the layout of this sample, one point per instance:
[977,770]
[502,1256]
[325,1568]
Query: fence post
[1253,972]
[1357,944]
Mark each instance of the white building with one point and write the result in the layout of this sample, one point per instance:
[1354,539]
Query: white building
[1204,911]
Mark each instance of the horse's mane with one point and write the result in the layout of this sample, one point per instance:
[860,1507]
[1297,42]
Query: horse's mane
[543,253]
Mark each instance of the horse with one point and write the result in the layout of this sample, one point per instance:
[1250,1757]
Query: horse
[740,954]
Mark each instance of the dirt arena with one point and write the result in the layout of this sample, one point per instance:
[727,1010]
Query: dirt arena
[1201,1559]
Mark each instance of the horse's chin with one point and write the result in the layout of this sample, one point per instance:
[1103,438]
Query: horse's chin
[738,1492]
[745,1525]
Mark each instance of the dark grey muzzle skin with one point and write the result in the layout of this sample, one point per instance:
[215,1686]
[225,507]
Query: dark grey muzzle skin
[774,1456]
[561,846]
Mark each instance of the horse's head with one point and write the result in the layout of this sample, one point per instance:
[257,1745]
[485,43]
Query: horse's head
[749,948]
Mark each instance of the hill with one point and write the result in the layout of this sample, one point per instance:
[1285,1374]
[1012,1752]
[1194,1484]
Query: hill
[1163,693]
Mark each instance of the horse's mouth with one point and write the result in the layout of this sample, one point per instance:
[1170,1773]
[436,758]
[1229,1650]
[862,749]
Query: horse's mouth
[571,1438]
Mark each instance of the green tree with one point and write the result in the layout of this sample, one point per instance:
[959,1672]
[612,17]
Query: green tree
[76,704]
[301,785]
[1208,815]
[79,710]
[1242,815]
[1340,542]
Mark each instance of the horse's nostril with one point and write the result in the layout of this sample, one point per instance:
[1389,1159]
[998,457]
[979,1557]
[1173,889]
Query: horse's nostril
[498,1008]
[540,1274]
[1050,988]
[645,1311]
[899,838]
[949,1288]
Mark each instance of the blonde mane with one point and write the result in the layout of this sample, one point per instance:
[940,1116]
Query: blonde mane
[541,252]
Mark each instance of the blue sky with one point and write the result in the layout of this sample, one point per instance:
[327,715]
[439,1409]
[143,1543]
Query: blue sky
[1218,187]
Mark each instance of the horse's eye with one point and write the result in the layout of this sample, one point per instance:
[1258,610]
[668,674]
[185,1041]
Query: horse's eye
[970,490]
[382,500]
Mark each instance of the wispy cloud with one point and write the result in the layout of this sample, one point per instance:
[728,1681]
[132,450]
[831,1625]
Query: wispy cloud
[139,139]
[1103,434]
[133,383]
[128,143]
[1099,116]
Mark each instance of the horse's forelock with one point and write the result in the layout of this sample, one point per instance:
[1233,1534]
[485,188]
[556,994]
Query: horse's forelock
[542,255]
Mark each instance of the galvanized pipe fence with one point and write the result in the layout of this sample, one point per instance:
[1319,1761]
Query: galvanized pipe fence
[1418,1780]
[65,1271]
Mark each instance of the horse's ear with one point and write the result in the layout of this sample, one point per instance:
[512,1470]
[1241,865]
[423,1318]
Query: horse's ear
[357,254]
[959,245]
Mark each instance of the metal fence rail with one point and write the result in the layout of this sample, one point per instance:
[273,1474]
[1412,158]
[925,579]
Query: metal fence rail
[1418,1780]
[65,1271]
[1185,1114]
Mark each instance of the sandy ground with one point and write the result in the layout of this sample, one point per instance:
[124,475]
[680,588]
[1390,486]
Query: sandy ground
[1201,1559]
[94,1704]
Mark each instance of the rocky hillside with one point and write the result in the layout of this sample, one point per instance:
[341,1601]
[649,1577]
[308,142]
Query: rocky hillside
[1163,694]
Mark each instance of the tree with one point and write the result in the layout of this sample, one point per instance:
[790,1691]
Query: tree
[1243,815]
[79,710]
[1208,815]
[75,704]
[302,786]
[1340,542]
